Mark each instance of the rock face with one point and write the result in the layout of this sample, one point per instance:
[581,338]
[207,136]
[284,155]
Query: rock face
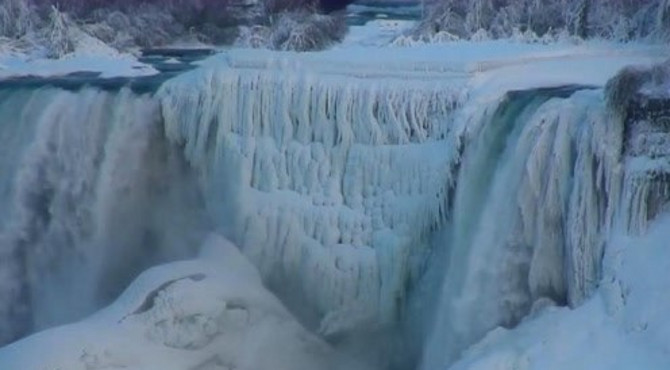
[209,313]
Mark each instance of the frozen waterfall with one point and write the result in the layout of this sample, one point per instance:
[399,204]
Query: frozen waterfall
[332,185]
[91,196]
[381,206]
[537,189]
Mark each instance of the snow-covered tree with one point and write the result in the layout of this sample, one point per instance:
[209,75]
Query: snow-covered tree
[17,18]
[297,25]
[612,19]
[132,24]
[59,34]
[581,20]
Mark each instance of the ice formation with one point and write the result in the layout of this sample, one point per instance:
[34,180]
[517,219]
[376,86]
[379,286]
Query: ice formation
[336,181]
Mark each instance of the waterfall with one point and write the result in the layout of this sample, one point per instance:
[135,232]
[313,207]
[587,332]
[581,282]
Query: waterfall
[91,195]
[536,194]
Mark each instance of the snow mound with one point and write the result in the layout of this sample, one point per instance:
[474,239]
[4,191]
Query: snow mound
[208,313]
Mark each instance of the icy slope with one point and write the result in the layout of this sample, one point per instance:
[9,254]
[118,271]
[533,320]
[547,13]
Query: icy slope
[208,313]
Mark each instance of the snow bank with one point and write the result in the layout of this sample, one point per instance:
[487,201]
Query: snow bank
[85,54]
[107,65]
[60,46]
[208,313]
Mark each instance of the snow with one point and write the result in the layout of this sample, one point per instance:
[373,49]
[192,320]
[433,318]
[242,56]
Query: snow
[591,64]
[211,312]
[107,66]
[496,65]
[90,55]
[563,62]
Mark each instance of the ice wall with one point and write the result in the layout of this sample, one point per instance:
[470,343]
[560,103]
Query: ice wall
[90,195]
[330,184]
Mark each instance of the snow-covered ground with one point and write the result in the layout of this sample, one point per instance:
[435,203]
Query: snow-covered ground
[89,55]
[106,65]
